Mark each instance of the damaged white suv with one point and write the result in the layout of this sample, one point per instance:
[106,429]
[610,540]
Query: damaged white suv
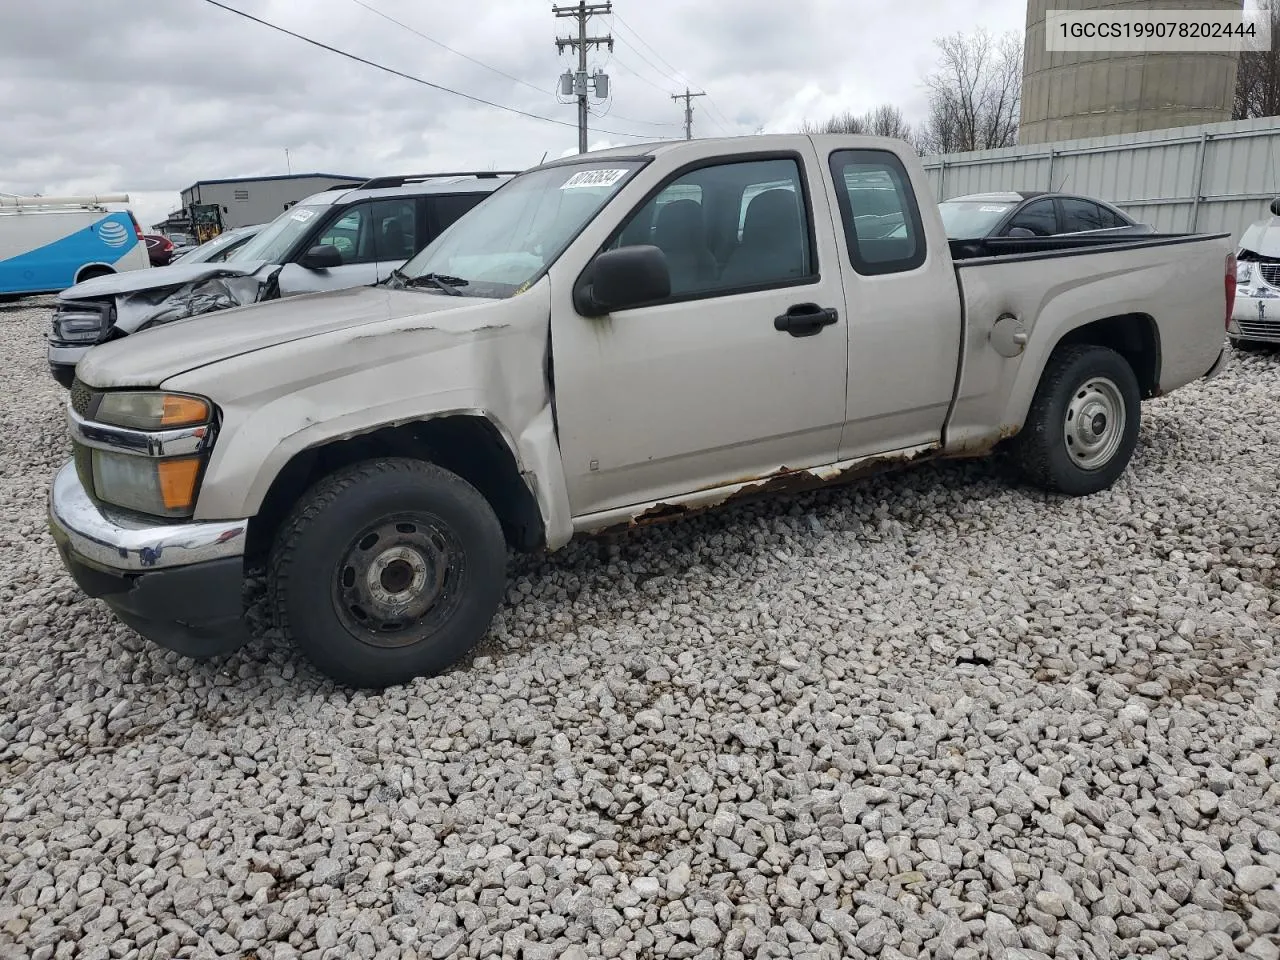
[1255,319]
[340,238]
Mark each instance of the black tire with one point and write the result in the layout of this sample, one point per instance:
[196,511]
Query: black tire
[1042,447]
[93,273]
[324,572]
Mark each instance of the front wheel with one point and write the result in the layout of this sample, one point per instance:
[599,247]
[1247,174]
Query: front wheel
[1082,427]
[388,570]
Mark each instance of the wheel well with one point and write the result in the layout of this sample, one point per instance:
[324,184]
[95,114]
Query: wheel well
[1135,337]
[469,446]
[91,271]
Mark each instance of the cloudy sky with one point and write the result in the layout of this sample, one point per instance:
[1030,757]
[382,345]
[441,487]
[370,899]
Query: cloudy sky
[148,96]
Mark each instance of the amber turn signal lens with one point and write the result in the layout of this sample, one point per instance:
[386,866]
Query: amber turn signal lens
[178,482]
[183,411]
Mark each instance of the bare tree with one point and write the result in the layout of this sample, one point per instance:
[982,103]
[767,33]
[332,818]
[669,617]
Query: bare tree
[846,122]
[885,120]
[1258,75]
[975,94]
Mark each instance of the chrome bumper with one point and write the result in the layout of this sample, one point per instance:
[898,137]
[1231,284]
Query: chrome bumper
[113,541]
[66,356]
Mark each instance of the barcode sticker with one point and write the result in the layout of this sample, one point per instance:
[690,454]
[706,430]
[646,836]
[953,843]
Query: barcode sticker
[594,178]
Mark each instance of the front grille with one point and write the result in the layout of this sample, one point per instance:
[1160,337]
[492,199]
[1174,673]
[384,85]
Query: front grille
[1268,330]
[81,398]
[1270,273]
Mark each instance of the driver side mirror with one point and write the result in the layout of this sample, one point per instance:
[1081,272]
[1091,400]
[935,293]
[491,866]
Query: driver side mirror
[1020,233]
[1275,206]
[323,256]
[622,278]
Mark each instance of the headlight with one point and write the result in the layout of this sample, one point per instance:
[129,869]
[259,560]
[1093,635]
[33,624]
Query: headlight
[152,411]
[1244,272]
[161,488]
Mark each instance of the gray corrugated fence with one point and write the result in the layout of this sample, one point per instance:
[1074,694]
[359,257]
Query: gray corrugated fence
[1215,178]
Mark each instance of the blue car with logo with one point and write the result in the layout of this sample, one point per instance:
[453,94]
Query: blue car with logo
[48,244]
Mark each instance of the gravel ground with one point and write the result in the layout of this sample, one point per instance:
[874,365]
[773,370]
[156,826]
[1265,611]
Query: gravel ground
[929,716]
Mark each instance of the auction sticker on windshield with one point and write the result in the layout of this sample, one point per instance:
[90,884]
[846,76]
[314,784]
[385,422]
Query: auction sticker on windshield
[594,178]
[302,216]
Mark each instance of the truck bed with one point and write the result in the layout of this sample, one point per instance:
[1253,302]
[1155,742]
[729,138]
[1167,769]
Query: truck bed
[1038,246]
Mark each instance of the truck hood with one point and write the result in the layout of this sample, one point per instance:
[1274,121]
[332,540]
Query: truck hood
[146,359]
[157,278]
[1263,237]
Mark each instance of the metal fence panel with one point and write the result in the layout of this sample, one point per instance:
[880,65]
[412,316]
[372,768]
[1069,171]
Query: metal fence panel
[1213,178]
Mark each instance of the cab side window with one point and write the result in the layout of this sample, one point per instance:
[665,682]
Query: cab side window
[395,229]
[1038,217]
[728,227]
[352,234]
[882,224]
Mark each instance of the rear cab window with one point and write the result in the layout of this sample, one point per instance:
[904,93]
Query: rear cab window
[882,226]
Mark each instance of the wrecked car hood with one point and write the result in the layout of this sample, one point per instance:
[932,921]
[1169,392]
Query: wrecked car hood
[151,356]
[1263,237]
[156,278]
[160,295]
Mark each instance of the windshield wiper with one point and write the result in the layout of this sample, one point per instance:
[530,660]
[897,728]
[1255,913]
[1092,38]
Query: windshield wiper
[440,281]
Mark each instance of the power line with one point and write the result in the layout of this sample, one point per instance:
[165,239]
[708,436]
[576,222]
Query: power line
[636,51]
[445,46]
[632,30]
[401,74]
[623,64]
[678,74]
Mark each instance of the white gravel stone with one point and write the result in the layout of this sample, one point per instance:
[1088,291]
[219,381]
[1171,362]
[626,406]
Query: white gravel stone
[925,715]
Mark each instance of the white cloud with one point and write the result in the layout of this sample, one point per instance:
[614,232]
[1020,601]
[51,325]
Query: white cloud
[147,98]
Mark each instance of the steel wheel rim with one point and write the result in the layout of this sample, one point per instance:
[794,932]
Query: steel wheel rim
[1095,423]
[399,580]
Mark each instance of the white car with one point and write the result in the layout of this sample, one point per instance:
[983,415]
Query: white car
[1256,317]
[338,238]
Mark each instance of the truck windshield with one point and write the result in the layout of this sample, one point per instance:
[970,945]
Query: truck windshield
[278,237]
[511,237]
[971,219]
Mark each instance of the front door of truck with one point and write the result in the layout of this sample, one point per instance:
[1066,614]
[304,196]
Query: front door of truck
[739,373]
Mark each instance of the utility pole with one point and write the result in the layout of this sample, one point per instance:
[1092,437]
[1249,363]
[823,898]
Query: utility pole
[288,164]
[687,97]
[576,84]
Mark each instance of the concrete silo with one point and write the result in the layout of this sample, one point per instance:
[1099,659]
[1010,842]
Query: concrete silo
[1069,95]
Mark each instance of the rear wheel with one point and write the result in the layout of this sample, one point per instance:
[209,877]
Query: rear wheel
[388,570]
[1083,424]
[93,272]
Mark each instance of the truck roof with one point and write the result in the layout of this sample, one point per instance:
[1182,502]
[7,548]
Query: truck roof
[780,141]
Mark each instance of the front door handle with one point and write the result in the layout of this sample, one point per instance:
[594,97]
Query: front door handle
[805,319]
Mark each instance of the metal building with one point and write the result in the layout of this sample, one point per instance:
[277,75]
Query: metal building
[1070,95]
[1214,178]
[248,200]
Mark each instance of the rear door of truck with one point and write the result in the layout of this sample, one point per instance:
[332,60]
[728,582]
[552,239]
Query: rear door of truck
[901,300]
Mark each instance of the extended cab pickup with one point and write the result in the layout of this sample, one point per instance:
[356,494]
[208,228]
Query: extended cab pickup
[610,339]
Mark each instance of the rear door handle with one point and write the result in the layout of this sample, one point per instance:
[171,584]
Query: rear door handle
[805,319]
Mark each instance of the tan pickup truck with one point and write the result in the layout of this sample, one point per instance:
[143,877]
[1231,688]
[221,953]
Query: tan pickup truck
[614,338]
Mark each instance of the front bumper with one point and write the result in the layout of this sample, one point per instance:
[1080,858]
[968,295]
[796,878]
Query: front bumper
[179,585]
[1256,319]
[63,360]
